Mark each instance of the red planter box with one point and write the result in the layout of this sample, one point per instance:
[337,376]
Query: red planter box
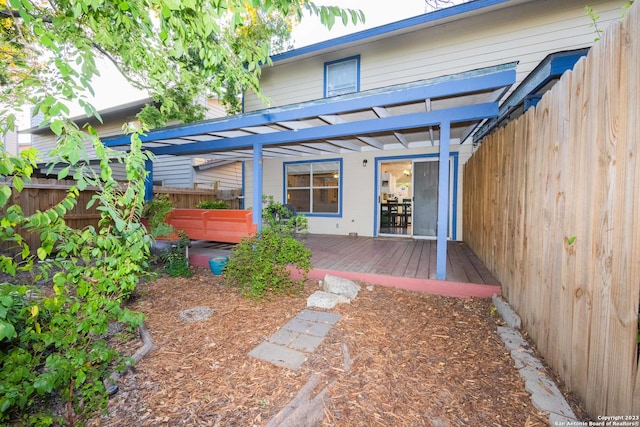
[217,225]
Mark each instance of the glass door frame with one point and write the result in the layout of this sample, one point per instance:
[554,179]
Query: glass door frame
[453,192]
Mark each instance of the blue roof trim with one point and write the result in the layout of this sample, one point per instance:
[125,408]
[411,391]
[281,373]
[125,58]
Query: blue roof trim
[389,28]
[406,121]
[483,79]
[551,67]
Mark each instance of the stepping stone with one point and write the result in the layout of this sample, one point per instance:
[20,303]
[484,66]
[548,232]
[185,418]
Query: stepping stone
[321,299]
[318,316]
[289,346]
[306,327]
[279,355]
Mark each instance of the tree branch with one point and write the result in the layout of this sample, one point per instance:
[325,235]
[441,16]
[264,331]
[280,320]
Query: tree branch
[10,13]
[116,64]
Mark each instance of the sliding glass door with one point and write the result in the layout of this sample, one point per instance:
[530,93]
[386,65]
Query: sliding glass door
[425,202]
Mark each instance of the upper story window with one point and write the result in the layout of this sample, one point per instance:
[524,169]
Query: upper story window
[342,76]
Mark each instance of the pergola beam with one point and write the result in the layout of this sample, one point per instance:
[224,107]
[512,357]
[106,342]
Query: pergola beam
[362,127]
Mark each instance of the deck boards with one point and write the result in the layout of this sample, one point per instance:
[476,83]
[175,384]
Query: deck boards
[400,257]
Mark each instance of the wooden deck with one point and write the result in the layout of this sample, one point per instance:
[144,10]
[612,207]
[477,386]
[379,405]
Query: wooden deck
[400,257]
[396,262]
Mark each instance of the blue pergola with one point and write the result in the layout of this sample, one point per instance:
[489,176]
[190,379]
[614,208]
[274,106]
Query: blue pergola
[438,110]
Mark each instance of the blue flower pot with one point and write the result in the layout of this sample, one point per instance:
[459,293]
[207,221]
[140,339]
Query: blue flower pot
[217,264]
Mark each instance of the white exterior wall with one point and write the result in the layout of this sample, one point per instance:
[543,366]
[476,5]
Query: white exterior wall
[525,33]
[358,185]
[173,171]
[229,177]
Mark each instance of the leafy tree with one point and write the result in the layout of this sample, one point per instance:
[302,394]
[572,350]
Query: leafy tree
[173,48]
[178,50]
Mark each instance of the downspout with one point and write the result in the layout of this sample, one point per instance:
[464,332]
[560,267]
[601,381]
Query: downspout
[443,201]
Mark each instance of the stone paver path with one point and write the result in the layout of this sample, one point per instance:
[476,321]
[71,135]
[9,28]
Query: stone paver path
[291,345]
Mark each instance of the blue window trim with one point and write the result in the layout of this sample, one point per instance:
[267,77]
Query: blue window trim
[340,184]
[337,61]
[454,155]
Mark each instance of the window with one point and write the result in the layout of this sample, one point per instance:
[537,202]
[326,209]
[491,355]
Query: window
[314,187]
[342,76]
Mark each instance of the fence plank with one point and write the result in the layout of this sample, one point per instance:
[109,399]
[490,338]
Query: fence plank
[631,27]
[624,301]
[577,229]
[565,275]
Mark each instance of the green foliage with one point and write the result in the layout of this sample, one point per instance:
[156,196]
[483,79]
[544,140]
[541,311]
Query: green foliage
[156,211]
[212,204]
[55,346]
[595,17]
[180,51]
[259,265]
[175,260]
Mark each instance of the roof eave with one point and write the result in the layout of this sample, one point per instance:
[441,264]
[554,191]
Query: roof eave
[430,19]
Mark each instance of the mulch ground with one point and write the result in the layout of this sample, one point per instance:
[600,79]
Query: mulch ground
[395,358]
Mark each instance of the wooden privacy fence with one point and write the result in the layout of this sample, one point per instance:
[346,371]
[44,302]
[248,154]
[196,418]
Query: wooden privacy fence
[552,206]
[42,194]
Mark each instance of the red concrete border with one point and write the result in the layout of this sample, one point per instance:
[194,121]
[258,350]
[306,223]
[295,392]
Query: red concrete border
[430,286]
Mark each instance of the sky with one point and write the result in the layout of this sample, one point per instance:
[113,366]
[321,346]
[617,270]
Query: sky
[377,12]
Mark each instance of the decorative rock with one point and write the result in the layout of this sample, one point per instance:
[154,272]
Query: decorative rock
[340,286]
[195,314]
[545,395]
[321,299]
[508,315]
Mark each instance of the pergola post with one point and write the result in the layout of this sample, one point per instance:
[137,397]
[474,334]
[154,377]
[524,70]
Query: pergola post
[443,201]
[148,181]
[257,185]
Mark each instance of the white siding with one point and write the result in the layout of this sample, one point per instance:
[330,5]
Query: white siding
[214,109]
[228,177]
[525,33]
[173,171]
[10,142]
[46,142]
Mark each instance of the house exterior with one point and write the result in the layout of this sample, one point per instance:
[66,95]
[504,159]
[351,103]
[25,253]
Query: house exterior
[168,171]
[474,35]
[368,133]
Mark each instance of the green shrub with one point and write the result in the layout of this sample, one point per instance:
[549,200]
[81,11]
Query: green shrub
[212,204]
[259,265]
[156,211]
[54,347]
[176,262]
